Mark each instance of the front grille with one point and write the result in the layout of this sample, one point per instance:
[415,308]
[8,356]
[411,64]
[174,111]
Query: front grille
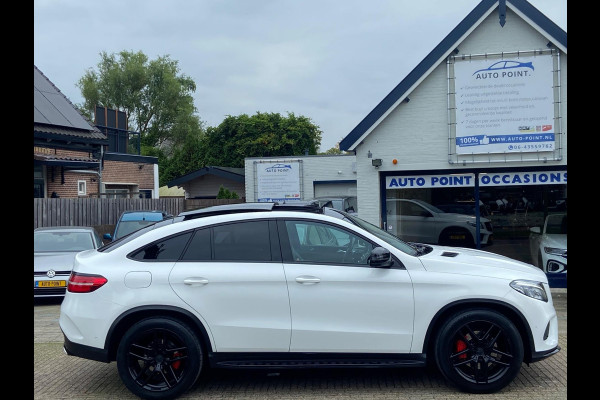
[49,291]
[488,226]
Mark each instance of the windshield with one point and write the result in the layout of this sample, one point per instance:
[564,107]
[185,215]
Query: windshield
[429,206]
[116,243]
[381,234]
[126,227]
[557,224]
[62,241]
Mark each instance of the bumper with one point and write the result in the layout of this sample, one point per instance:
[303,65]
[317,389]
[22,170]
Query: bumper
[541,355]
[87,352]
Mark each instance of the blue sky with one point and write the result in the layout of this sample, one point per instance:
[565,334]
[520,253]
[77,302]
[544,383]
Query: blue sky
[330,60]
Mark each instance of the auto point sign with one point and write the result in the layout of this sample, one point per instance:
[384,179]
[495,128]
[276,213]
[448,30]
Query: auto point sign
[504,105]
[485,179]
[278,181]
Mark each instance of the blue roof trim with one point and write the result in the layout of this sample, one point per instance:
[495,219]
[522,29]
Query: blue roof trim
[436,54]
[208,171]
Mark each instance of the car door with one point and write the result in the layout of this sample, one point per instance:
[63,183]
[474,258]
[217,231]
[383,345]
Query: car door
[232,275]
[338,302]
[413,223]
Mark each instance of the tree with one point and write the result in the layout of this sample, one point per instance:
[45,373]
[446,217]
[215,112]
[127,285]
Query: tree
[225,193]
[155,95]
[333,150]
[260,135]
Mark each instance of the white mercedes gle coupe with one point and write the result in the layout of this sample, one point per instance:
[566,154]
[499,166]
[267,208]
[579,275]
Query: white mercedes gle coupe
[294,286]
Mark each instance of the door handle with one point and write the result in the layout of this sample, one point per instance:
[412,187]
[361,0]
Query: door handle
[195,281]
[307,280]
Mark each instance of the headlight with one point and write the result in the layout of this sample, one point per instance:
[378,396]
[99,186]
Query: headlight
[474,225]
[531,289]
[556,251]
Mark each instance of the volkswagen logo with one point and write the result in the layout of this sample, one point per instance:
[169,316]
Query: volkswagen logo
[51,273]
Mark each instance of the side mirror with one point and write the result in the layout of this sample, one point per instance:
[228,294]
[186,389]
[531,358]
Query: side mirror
[107,236]
[535,229]
[380,258]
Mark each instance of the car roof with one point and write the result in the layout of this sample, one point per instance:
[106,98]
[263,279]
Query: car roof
[293,205]
[150,215]
[65,228]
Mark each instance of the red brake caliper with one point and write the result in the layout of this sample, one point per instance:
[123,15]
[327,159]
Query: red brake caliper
[177,363]
[460,346]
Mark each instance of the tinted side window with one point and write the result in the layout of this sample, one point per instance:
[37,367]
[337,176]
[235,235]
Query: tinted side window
[413,210]
[164,250]
[322,243]
[246,241]
[199,248]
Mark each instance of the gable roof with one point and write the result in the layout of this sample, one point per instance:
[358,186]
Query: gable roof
[54,116]
[524,9]
[234,174]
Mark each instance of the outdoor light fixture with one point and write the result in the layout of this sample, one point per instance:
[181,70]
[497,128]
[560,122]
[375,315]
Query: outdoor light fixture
[369,154]
[376,162]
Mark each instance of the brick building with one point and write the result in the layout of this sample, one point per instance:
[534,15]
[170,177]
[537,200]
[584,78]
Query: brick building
[73,158]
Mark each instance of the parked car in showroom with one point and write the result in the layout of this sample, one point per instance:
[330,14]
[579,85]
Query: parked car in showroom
[344,203]
[414,220]
[131,221]
[464,207]
[268,285]
[54,250]
[548,244]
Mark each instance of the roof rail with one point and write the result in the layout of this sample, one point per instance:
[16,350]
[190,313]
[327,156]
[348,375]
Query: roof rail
[295,205]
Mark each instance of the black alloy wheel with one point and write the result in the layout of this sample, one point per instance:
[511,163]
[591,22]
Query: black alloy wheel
[159,358]
[480,351]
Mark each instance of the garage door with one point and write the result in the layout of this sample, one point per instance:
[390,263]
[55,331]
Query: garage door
[335,189]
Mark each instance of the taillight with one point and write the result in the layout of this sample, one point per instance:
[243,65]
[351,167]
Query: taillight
[84,283]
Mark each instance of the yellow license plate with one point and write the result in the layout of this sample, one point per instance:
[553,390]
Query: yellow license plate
[50,283]
[457,237]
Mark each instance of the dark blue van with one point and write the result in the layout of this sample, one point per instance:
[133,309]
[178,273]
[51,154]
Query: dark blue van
[131,221]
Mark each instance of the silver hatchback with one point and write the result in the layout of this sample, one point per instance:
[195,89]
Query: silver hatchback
[54,249]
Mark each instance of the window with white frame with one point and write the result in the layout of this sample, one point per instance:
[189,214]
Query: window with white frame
[81,188]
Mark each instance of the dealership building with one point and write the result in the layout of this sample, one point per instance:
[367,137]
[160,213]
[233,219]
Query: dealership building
[480,121]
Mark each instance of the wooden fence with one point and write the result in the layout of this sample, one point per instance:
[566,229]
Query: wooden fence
[102,212]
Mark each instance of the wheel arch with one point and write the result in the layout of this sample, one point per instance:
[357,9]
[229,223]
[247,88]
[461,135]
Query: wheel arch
[509,311]
[130,317]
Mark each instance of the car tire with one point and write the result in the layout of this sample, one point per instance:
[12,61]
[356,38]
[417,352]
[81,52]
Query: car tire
[159,358]
[479,350]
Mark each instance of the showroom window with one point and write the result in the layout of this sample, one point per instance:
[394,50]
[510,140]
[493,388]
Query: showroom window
[515,219]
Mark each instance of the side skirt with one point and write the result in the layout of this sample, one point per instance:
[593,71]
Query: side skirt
[314,360]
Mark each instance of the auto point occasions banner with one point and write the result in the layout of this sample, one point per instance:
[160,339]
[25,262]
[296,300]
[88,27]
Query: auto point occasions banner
[467,180]
[504,106]
[278,181]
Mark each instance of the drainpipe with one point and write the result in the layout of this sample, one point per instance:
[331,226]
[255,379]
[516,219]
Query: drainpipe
[100,171]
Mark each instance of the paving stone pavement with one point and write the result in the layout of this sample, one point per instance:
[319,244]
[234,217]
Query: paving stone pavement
[60,377]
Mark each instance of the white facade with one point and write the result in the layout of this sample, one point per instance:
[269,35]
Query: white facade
[415,133]
[329,171]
